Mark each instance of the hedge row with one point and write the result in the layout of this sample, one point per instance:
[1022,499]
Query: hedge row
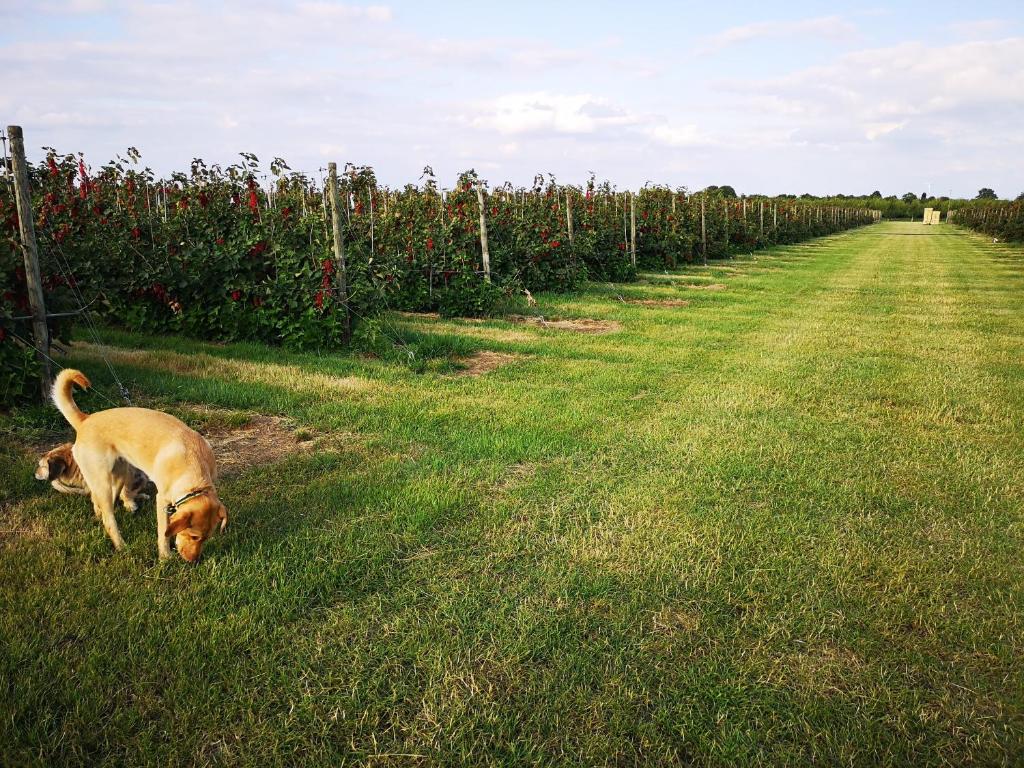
[232,253]
[1000,219]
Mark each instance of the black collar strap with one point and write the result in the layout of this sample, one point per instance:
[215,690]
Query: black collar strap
[173,506]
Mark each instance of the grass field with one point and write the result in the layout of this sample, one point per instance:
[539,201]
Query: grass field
[780,524]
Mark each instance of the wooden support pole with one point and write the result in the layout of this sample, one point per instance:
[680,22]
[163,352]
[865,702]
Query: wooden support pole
[725,208]
[632,227]
[568,214]
[339,251]
[703,232]
[483,233]
[30,251]
[762,218]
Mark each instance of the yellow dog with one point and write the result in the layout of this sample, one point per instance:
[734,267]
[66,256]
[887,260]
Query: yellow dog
[176,458]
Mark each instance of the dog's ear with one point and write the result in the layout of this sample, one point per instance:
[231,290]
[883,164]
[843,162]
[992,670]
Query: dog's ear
[178,523]
[57,466]
[223,516]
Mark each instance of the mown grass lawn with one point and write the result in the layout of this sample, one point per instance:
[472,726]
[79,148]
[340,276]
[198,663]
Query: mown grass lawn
[781,524]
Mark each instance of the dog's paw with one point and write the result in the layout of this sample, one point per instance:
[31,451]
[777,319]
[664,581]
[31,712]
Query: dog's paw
[132,506]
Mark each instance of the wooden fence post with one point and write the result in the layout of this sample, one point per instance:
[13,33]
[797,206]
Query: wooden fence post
[725,209]
[339,251]
[483,233]
[632,227]
[568,214]
[30,251]
[703,232]
[762,218]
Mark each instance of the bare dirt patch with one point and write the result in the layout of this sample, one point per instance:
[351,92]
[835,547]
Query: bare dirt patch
[16,524]
[577,324]
[261,440]
[484,361]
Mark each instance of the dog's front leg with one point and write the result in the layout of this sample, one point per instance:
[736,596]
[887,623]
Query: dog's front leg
[163,546]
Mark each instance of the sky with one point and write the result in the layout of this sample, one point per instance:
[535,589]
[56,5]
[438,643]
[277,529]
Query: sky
[770,98]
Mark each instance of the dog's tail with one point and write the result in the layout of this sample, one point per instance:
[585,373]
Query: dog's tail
[62,395]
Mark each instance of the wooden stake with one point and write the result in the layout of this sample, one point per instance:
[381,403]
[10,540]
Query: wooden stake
[339,251]
[568,214]
[632,227]
[27,230]
[483,233]
[725,206]
[762,218]
[703,232]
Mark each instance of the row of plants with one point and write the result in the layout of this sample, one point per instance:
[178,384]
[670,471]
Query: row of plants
[1000,219]
[228,253]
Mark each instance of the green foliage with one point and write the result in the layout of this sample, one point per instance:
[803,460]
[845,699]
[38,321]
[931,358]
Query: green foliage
[1002,220]
[217,253]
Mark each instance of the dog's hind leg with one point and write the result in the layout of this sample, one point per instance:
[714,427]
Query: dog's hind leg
[103,489]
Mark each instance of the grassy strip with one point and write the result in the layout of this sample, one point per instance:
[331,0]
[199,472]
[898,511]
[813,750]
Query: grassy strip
[780,524]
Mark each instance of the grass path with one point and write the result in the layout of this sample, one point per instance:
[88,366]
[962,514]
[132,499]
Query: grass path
[779,525]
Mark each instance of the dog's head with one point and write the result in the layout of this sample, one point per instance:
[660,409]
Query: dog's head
[192,526]
[52,464]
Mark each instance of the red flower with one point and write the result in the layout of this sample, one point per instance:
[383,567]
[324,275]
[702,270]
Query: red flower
[430,243]
[254,201]
[359,208]
[220,241]
[318,300]
[81,168]
[286,211]
[327,266]
[236,295]
[136,233]
[236,199]
[622,246]
[54,170]
[204,199]
[555,243]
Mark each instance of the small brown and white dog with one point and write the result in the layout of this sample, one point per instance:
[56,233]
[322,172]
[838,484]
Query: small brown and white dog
[176,458]
[58,466]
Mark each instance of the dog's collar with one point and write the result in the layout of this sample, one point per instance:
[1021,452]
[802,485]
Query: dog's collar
[173,506]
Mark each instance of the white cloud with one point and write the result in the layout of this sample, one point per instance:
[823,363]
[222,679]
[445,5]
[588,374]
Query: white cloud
[827,27]
[543,112]
[967,92]
[981,28]
[679,135]
[877,130]
[325,11]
